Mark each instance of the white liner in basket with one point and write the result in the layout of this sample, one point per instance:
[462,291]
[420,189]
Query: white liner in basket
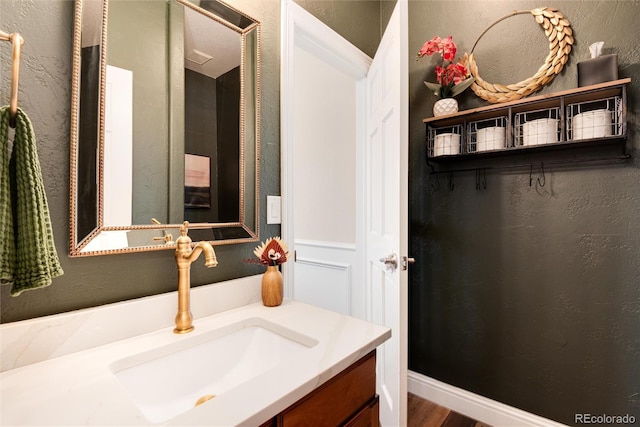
[591,124]
[540,131]
[446,144]
[490,138]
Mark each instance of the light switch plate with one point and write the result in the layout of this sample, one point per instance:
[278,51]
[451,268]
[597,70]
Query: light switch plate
[273,210]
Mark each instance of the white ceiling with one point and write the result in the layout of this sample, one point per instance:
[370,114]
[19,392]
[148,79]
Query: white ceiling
[202,35]
[203,38]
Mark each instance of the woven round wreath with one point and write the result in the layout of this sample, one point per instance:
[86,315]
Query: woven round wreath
[558,31]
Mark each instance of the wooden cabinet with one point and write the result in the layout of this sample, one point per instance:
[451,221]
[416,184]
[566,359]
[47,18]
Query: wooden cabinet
[348,399]
[369,416]
[583,117]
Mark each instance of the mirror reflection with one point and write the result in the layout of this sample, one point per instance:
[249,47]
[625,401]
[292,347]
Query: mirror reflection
[164,126]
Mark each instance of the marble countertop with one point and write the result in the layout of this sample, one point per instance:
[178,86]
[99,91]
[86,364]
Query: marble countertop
[80,388]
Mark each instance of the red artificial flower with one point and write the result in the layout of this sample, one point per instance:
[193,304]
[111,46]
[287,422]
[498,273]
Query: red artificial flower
[453,73]
[430,47]
[448,49]
[448,75]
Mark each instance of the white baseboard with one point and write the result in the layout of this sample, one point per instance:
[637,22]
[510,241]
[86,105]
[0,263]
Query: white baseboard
[473,405]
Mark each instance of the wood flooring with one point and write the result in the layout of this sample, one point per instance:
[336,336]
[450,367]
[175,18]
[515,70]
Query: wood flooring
[423,413]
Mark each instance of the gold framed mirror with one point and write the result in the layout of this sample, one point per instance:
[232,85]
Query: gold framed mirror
[165,125]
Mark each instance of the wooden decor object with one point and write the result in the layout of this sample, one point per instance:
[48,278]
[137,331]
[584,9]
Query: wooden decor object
[558,31]
[272,287]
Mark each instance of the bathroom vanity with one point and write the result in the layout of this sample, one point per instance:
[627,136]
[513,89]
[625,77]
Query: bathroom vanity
[121,364]
[348,399]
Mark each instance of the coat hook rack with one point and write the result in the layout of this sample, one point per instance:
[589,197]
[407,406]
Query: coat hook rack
[481,179]
[16,41]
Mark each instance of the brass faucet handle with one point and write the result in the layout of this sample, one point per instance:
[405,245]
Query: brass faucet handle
[183,242]
[184,229]
[168,238]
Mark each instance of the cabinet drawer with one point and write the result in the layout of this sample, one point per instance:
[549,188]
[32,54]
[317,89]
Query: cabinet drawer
[369,416]
[269,423]
[335,402]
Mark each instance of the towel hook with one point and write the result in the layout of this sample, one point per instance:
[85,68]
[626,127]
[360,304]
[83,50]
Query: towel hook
[435,174]
[16,42]
[437,186]
[481,179]
[544,180]
[540,183]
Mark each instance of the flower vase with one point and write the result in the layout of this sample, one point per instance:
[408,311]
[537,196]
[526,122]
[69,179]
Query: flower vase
[272,287]
[445,106]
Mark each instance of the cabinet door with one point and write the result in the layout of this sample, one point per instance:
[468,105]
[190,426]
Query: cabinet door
[269,423]
[369,416]
[335,402]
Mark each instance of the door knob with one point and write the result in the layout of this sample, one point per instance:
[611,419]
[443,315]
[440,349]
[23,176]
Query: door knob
[406,261]
[390,262]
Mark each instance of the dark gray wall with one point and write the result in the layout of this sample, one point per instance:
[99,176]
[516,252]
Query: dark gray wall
[201,136]
[527,295]
[228,88]
[45,88]
[357,21]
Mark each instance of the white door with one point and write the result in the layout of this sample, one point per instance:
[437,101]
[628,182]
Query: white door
[322,110]
[381,152]
[385,199]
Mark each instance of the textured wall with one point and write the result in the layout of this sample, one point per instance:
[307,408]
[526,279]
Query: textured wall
[45,87]
[527,295]
[357,21]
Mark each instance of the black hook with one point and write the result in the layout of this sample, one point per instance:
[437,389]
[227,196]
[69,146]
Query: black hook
[481,179]
[451,185]
[544,180]
[540,183]
[434,173]
[436,187]
[530,174]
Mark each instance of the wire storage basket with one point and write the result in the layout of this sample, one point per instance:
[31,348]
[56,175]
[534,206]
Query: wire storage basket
[487,135]
[537,127]
[594,119]
[444,141]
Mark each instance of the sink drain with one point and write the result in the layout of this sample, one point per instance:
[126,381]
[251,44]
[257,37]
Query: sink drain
[204,399]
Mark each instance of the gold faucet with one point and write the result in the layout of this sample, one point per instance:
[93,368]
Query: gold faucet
[184,257]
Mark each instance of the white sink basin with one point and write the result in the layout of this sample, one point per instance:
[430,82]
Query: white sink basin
[169,380]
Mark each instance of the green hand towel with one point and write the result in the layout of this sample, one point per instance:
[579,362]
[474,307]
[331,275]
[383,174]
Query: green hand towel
[28,259]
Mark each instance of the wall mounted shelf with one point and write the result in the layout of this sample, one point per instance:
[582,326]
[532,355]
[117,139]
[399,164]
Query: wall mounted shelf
[535,128]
